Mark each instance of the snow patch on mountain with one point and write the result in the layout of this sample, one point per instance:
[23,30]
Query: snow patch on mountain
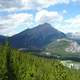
[73,47]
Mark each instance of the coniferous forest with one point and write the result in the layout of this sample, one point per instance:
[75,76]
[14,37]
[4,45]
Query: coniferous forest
[16,65]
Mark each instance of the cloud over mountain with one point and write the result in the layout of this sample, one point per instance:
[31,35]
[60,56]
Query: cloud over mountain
[48,16]
[17,15]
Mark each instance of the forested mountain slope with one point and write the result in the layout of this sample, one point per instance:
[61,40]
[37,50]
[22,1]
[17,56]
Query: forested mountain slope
[15,65]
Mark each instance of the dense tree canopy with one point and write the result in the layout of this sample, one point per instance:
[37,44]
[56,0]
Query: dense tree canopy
[16,65]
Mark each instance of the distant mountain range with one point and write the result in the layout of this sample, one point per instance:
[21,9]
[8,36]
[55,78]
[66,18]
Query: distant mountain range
[35,38]
[74,36]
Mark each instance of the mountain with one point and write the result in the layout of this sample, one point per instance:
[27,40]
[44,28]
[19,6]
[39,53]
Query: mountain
[2,39]
[64,47]
[74,36]
[36,38]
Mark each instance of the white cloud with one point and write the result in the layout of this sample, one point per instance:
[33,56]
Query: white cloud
[70,25]
[74,21]
[12,5]
[8,4]
[46,16]
[40,4]
[31,4]
[12,22]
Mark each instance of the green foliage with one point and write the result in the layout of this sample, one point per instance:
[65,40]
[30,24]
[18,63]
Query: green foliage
[3,62]
[16,65]
[58,48]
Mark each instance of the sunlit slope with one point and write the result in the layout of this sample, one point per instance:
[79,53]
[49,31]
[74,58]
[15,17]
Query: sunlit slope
[64,47]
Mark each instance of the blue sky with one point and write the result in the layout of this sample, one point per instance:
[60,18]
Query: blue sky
[18,15]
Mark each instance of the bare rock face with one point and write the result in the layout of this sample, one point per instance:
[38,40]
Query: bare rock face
[74,47]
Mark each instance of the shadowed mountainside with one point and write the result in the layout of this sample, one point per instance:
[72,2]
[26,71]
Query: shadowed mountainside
[36,38]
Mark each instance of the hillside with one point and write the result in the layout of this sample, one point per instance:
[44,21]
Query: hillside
[36,38]
[64,47]
[74,36]
[15,65]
